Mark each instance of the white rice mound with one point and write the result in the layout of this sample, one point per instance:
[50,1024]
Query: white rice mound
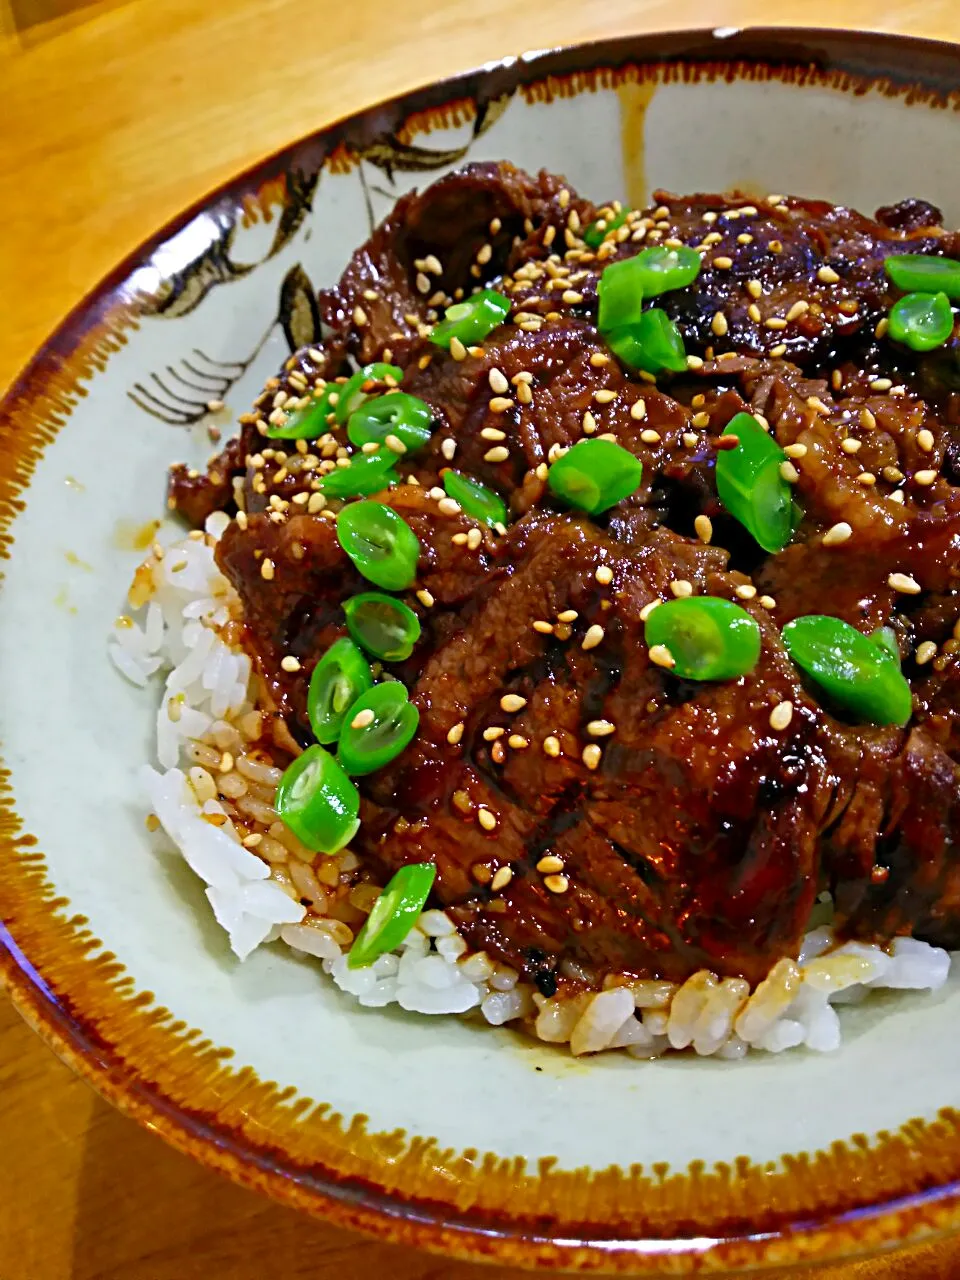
[213,793]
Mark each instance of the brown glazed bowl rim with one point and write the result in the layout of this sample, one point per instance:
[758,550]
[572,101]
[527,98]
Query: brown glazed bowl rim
[934,67]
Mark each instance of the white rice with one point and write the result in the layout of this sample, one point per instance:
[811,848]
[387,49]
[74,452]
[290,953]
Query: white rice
[183,604]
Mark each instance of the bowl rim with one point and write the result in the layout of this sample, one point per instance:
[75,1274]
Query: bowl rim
[877,57]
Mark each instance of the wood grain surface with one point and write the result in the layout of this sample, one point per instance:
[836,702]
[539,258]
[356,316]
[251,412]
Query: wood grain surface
[113,117]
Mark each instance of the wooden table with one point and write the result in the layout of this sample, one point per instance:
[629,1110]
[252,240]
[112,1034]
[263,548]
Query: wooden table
[114,116]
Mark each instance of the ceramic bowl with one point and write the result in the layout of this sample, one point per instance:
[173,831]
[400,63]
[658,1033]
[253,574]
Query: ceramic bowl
[454,1137]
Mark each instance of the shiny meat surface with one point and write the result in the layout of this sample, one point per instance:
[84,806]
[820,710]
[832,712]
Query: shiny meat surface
[690,831]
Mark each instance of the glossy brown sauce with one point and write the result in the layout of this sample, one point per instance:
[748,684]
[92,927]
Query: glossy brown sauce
[698,835]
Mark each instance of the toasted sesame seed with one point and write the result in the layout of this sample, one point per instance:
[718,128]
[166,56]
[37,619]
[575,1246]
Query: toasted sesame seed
[723,263]
[499,453]
[755,288]
[690,439]
[457,349]
[394,444]
[484,254]
[568,615]
[661,656]
[851,445]
[317,503]
[777,351]
[500,404]
[796,450]
[589,423]
[881,384]
[494,732]
[767,602]
[925,440]
[638,410]
[719,324]
[591,756]
[648,608]
[694,362]
[866,478]
[267,570]
[474,538]
[775,322]
[493,433]
[545,628]
[903,582]
[924,477]
[704,528]
[789,472]
[604,575]
[746,591]
[837,533]
[541,471]
[501,878]
[425,597]
[550,864]
[827,275]
[448,507]
[486,819]
[360,317]
[799,308]
[604,395]
[241,517]
[290,663]
[925,652]
[423,283]
[649,436]
[601,728]
[681,588]
[896,496]
[448,447]
[571,297]
[455,734]
[599,358]
[362,719]
[556,884]
[512,702]
[498,381]
[781,715]
[593,637]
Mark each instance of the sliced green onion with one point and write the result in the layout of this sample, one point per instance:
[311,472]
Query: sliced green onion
[376,728]
[750,486]
[367,473]
[886,638]
[924,273]
[308,423]
[338,679]
[598,231]
[394,914]
[620,293]
[858,674]
[923,321]
[708,638]
[475,498]
[387,628]
[318,802]
[661,270]
[356,389]
[653,344]
[406,417]
[380,543]
[472,320]
[595,475]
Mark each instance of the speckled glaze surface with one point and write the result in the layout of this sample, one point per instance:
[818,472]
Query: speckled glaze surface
[451,1136]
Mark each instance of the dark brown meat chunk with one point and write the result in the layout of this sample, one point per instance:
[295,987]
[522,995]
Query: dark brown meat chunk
[691,832]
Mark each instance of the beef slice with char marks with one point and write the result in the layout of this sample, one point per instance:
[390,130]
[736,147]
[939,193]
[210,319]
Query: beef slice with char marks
[451,222]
